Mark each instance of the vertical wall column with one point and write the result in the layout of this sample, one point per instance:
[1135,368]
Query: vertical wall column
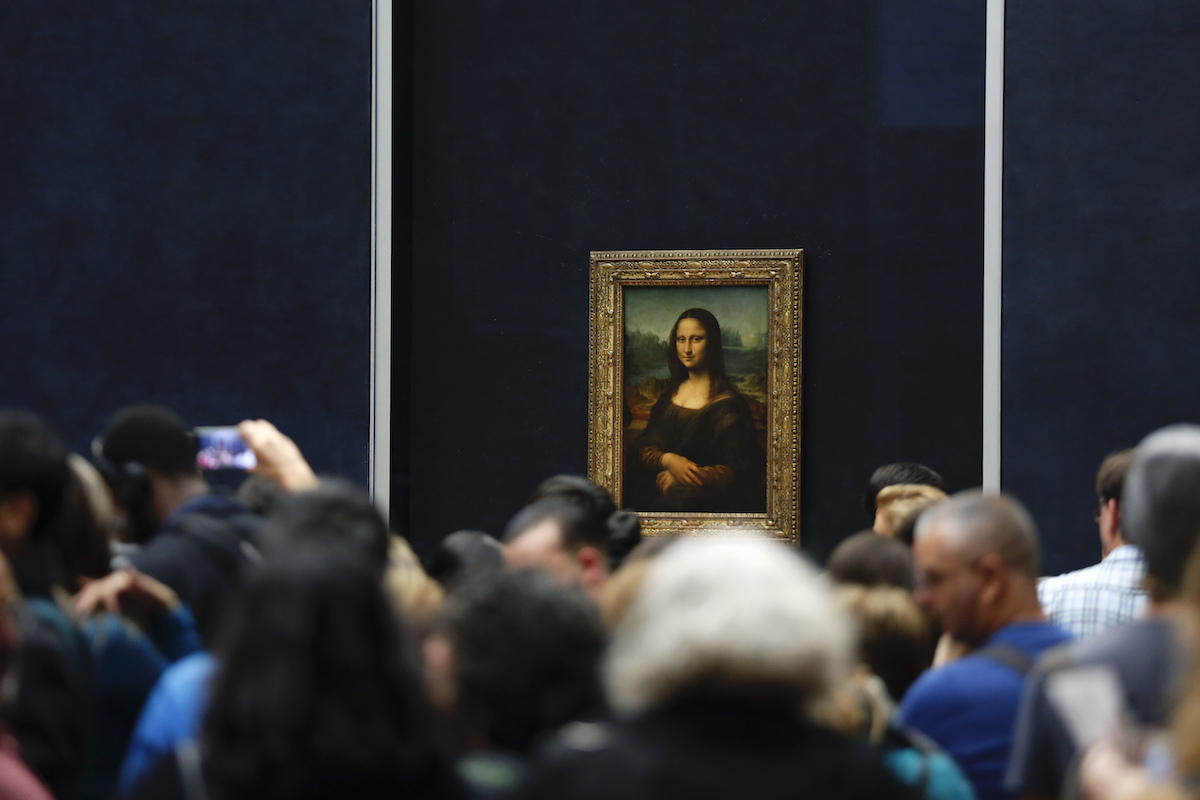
[381,256]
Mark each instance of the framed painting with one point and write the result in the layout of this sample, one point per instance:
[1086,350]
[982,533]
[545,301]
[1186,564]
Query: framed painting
[695,367]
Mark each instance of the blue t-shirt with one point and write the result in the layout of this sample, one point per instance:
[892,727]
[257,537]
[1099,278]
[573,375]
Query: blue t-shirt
[969,707]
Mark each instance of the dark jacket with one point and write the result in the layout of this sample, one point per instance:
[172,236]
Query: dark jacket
[709,749]
[201,551]
[50,714]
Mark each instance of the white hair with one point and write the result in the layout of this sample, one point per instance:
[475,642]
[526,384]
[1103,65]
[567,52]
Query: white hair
[730,615]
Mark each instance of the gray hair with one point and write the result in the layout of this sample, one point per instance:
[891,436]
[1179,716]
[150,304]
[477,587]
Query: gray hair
[1160,503]
[978,524]
[736,616]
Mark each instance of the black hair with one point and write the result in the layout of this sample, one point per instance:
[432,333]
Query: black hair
[463,553]
[261,493]
[868,559]
[714,353]
[336,513]
[152,436]
[900,472]
[33,460]
[526,656]
[595,520]
[317,694]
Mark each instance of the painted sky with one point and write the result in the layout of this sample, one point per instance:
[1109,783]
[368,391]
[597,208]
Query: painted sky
[654,309]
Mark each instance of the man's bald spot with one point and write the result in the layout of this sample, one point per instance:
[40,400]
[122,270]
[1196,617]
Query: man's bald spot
[974,524]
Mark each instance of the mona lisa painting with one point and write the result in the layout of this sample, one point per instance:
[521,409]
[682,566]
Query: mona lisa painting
[695,379]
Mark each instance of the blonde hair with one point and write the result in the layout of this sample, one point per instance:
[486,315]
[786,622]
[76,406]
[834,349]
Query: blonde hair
[416,596]
[897,503]
[735,616]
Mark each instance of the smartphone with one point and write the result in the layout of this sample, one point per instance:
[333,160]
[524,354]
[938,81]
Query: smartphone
[222,447]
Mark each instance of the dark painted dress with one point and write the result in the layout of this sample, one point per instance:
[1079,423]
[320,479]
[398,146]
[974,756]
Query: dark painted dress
[720,438]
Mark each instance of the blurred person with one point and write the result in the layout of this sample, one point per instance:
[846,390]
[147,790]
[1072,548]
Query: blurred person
[713,671]
[416,595]
[1112,770]
[1160,513]
[134,625]
[907,472]
[260,493]
[894,634]
[626,582]
[335,516]
[317,695]
[895,504]
[624,527]
[49,712]
[17,782]
[194,540]
[462,553]
[1110,593]
[977,559]
[515,659]
[893,648]
[86,526]
[565,537]
[869,559]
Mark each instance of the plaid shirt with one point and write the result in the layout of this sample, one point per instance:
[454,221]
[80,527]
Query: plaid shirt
[1102,596]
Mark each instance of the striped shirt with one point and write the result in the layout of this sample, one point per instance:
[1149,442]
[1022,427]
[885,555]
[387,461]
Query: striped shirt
[1098,597]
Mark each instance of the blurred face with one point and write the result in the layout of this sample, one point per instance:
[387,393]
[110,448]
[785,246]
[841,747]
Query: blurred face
[948,587]
[541,548]
[690,342]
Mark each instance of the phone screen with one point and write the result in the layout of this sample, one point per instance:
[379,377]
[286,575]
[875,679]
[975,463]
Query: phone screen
[222,447]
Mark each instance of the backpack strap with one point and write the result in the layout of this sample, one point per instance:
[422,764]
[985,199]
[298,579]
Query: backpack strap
[1008,655]
[190,762]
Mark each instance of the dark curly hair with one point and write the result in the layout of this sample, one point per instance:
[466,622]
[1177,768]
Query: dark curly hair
[526,655]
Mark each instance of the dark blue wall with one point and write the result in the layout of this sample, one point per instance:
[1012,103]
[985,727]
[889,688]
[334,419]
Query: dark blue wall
[1101,286]
[544,130]
[185,214]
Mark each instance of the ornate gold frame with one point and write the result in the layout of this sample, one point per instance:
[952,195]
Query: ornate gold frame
[781,271]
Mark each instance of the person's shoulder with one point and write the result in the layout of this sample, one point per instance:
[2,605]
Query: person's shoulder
[584,755]
[1085,576]
[1139,636]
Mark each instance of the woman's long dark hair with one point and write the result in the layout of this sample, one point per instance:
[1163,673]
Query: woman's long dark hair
[316,688]
[714,353]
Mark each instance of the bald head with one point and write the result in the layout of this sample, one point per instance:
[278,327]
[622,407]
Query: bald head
[977,565]
[975,524]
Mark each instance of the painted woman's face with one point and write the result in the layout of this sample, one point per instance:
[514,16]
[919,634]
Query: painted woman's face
[690,341]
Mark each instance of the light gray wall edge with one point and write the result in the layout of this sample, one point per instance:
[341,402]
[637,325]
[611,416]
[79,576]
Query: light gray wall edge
[993,166]
[381,256]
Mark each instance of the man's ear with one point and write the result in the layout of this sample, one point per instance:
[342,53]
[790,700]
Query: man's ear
[993,577]
[18,510]
[1114,520]
[593,569]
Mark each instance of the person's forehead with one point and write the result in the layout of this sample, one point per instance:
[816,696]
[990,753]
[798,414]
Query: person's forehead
[932,547]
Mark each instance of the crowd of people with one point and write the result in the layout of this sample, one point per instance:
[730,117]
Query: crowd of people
[162,639]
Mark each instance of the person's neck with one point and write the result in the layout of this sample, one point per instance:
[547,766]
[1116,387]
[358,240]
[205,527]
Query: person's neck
[1112,546]
[699,379]
[1163,606]
[1022,606]
[174,492]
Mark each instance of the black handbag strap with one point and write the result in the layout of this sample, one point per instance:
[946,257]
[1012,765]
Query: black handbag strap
[1008,655]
